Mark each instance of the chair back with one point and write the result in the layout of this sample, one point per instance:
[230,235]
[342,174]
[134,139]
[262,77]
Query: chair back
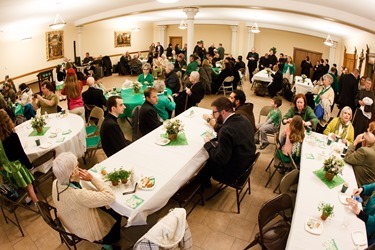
[288,184]
[241,180]
[136,133]
[267,213]
[228,79]
[264,112]
[96,113]
[44,158]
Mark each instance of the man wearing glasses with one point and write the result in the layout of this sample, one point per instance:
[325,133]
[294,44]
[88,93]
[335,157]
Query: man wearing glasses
[233,149]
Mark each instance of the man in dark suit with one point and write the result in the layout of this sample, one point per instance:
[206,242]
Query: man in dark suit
[348,88]
[111,135]
[148,117]
[252,62]
[93,96]
[159,49]
[234,149]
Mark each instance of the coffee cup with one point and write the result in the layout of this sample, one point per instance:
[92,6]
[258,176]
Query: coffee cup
[329,140]
[344,150]
[63,111]
[37,142]
[337,138]
[344,187]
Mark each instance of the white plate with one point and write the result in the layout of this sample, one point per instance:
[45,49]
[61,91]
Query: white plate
[46,145]
[162,141]
[343,197]
[314,226]
[144,182]
[359,238]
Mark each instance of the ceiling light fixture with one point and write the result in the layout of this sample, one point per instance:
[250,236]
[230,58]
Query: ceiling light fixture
[254,28]
[183,25]
[136,29]
[328,41]
[59,23]
[167,1]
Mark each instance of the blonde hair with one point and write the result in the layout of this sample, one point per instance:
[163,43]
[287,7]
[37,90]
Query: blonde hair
[6,125]
[159,86]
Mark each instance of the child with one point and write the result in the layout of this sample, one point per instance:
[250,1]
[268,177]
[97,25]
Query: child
[272,124]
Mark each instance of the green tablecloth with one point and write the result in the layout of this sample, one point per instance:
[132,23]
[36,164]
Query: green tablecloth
[337,180]
[216,70]
[180,140]
[132,99]
[35,133]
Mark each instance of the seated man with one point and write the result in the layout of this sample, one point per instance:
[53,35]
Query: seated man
[81,210]
[87,62]
[148,117]
[48,102]
[277,83]
[233,150]
[362,159]
[113,140]
[135,65]
[93,96]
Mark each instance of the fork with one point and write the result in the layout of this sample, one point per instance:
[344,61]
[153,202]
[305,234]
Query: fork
[131,192]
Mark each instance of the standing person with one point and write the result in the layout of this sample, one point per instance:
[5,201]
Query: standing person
[177,49]
[211,49]
[263,62]
[272,59]
[14,164]
[348,85]
[159,49]
[289,69]
[113,140]
[184,50]
[319,70]
[148,117]
[325,96]
[169,51]
[233,150]
[252,62]
[48,102]
[335,83]
[221,51]
[82,211]
[282,59]
[73,91]
[306,67]
[271,125]
[365,105]
[277,82]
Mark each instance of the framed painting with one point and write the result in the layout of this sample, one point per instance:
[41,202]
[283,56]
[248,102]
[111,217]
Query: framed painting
[54,45]
[122,39]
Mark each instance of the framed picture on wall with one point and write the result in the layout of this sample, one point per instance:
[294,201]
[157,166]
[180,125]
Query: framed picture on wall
[54,45]
[122,39]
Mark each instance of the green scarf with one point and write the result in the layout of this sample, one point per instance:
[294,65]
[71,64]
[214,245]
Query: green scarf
[317,98]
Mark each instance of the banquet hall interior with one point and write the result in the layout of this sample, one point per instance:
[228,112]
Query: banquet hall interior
[295,28]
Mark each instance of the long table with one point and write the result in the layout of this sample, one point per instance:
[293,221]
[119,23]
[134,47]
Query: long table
[171,166]
[311,191]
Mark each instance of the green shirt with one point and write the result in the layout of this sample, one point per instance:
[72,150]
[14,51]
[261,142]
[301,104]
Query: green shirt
[46,108]
[275,116]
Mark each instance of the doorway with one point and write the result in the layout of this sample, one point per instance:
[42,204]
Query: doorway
[175,40]
[300,54]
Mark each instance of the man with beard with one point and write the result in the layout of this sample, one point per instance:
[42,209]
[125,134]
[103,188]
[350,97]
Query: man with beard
[233,149]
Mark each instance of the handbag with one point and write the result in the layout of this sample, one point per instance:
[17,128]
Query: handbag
[319,112]
[9,191]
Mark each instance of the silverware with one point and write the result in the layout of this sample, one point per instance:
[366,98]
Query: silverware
[131,192]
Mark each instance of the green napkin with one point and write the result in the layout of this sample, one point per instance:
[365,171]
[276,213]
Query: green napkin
[180,140]
[35,133]
[337,180]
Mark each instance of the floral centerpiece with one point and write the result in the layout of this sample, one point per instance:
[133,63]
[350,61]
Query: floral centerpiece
[303,76]
[333,166]
[269,71]
[173,127]
[137,86]
[124,175]
[37,123]
[326,209]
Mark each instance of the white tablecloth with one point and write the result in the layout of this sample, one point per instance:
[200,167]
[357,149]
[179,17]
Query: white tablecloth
[311,191]
[171,166]
[75,141]
[262,76]
[303,87]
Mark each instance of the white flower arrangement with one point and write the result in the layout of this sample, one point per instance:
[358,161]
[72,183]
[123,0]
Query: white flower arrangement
[173,126]
[333,165]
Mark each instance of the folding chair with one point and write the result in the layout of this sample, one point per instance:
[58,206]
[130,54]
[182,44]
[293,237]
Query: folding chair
[96,115]
[263,114]
[40,177]
[136,133]
[239,183]
[226,85]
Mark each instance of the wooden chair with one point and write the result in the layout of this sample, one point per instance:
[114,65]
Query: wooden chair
[239,183]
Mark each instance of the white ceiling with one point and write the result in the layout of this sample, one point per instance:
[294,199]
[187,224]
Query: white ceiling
[337,17]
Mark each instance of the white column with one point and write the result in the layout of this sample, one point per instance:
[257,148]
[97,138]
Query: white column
[251,37]
[162,29]
[234,40]
[190,13]
[79,42]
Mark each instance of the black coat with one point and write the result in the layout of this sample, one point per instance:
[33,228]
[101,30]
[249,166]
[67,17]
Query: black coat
[234,150]
[172,82]
[14,150]
[111,135]
[148,118]
[94,96]
[348,87]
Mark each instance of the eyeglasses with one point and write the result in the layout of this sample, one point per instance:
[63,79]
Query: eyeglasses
[213,112]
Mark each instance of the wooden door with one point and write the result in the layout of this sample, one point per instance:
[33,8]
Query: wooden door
[350,60]
[175,40]
[300,54]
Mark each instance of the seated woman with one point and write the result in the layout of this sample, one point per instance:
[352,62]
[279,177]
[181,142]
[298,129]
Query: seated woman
[367,214]
[14,163]
[300,108]
[225,72]
[146,76]
[294,133]
[25,99]
[156,65]
[165,104]
[341,126]
[8,93]
[172,81]
[81,210]
[205,72]
[325,96]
